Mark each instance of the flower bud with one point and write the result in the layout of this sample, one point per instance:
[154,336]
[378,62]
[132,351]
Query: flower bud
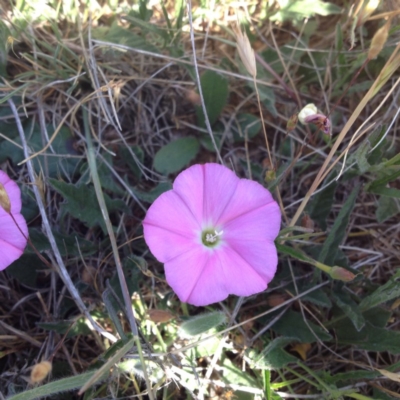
[310,115]
[308,110]
[270,176]
[341,274]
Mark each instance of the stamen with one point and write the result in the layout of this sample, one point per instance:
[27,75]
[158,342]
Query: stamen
[213,238]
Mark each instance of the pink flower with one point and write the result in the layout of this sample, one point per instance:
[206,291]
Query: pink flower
[12,242]
[215,235]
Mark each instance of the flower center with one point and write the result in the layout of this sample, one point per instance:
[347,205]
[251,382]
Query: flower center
[211,238]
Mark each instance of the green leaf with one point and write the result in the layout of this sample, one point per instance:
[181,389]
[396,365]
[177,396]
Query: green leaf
[62,385]
[384,191]
[380,395]
[62,146]
[273,356]
[318,297]
[377,138]
[131,161]
[321,205]
[377,316]
[30,208]
[132,274]
[120,35]
[285,327]
[81,203]
[202,323]
[25,269]
[207,348]
[247,125]
[4,35]
[107,297]
[369,338]
[215,92]
[207,143]
[338,231]
[74,328]
[296,10]
[235,375]
[350,309]
[390,174]
[361,157]
[176,155]
[351,376]
[387,208]
[152,194]
[69,245]
[106,177]
[389,291]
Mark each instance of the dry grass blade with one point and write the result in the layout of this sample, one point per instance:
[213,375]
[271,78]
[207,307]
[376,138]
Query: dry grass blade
[99,374]
[97,92]
[384,75]
[61,266]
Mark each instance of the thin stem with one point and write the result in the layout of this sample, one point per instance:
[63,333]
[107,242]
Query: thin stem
[196,69]
[124,287]
[46,224]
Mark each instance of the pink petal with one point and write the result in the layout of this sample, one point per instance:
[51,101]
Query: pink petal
[170,212]
[249,196]
[202,277]
[170,227]
[8,254]
[255,225]
[189,185]
[12,242]
[183,272]
[206,189]
[262,256]
[13,192]
[165,244]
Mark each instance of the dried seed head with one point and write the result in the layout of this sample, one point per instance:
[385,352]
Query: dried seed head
[4,199]
[307,222]
[40,372]
[193,97]
[388,70]
[364,10]
[159,316]
[89,275]
[246,52]
[379,40]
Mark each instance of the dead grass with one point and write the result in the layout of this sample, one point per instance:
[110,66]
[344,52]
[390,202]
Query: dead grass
[141,98]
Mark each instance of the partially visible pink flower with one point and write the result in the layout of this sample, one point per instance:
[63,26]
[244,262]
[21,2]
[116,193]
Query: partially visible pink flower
[215,235]
[12,241]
